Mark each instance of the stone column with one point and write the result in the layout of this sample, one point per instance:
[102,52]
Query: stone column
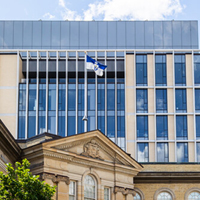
[62,183]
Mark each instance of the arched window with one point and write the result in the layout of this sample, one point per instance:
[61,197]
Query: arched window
[164,196]
[137,197]
[89,188]
[194,195]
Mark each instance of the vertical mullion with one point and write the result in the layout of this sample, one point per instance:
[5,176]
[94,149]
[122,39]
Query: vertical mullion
[85,92]
[175,142]
[57,88]
[27,93]
[37,93]
[105,94]
[66,93]
[47,88]
[96,114]
[116,141]
[17,97]
[125,99]
[76,128]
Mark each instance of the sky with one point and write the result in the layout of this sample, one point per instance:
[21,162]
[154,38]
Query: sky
[99,10]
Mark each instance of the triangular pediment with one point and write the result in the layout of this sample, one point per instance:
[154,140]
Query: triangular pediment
[93,145]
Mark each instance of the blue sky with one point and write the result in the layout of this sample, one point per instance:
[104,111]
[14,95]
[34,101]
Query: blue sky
[99,10]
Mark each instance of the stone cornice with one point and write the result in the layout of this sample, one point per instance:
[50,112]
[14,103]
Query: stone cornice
[167,177]
[124,191]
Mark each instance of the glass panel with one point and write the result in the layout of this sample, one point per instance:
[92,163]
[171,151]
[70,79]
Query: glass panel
[32,110]
[198,127]
[21,124]
[81,105]
[185,30]
[64,27]
[160,68]
[27,34]
[74,34]
[162,152]
[176,34]
[158,34]
[194,196]
[121,34]
[18,34]
[37,37]
[137,197]
[93,34]
[197,100]
[1,34]
[112,34]
[164,196]
[182,152]
[143,152]
[180,74]
[161,127]
[72,190]
[142,101]
[106,193]
[102,36]
[55,37]
[8,34]
[167,34]
[181,104]
[71,130]
[161,100]
[141,70]
[139,28]
[194,34]
[142,127]
[198,151]
[130,35]
[197,69]
[149,34]
[89,188]
[84,34]
[181,127]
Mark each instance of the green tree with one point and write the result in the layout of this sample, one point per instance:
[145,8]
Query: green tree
[20,184]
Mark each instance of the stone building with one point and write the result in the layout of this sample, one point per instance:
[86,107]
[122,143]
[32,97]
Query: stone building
[141,136]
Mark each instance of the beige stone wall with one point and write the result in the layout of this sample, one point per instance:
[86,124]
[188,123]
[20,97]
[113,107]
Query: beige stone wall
[8,90]
[178,189]
[130,104]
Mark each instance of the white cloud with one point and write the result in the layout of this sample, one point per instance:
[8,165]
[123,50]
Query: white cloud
[133,9]
[48,16]
[62,3]
[68,14]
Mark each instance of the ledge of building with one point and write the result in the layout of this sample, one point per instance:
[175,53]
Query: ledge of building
[38,139]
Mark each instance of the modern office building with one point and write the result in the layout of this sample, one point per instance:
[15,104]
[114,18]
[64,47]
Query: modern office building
[147,102]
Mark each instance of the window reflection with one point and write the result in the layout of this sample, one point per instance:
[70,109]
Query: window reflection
[162,152]
[182,152]
[181,104]
[160,67]
[197,69]
[181,127]
[162,127]
[143,152]
[180,73]
[197,100]
[142,100]
[142,127]
[141,69]
[161,100]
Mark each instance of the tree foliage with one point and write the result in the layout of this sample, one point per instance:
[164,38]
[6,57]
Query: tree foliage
[20,184]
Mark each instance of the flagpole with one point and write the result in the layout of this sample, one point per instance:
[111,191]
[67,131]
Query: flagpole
[85,119]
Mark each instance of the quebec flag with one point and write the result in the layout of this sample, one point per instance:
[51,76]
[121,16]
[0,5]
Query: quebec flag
[95,65]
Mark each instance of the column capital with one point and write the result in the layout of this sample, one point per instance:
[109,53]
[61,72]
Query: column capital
[55,177]
[124,191]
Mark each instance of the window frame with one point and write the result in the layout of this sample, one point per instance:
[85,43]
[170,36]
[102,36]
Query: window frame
[75,185]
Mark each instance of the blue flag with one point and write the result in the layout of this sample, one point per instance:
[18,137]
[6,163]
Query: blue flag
[95,65]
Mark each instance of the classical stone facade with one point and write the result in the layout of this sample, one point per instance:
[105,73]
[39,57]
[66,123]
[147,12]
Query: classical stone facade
[63,161]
